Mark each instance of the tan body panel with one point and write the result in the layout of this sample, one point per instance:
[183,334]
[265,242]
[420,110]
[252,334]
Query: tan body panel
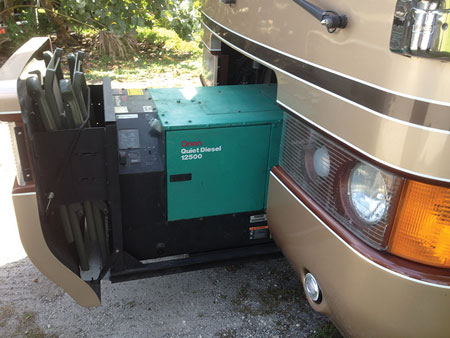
[11,71]
[362,298]
[36,247]
[407,147]
[361,51]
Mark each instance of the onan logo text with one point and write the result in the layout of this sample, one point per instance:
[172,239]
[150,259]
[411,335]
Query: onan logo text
[191,144]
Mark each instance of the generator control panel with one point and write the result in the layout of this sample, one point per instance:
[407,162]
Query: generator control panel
[139,132]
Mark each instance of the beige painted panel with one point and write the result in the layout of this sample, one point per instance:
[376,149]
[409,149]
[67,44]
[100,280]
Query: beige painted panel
[210,41]
[361,298]
[361,50]
[11,71]
[40,255]
[406,146]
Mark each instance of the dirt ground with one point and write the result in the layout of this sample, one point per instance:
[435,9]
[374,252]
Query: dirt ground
[263,299]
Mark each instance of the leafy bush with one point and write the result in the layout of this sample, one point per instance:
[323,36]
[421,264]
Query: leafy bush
[121,17]
[21,27]
[118,24]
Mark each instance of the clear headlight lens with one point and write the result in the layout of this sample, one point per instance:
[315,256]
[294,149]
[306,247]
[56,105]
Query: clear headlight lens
[368,193]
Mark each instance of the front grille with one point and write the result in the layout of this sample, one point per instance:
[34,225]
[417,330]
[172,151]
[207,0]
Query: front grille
[298,144]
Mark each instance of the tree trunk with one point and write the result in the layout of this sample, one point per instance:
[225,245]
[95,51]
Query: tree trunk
[8,15]
[62,28]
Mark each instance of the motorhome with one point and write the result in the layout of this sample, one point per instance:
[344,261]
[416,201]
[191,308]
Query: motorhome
[322,130]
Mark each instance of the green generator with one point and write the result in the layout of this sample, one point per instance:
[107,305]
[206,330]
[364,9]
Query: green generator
[220,145]
[204,185]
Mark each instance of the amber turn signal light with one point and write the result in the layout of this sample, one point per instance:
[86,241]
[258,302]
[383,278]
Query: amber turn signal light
[421,231]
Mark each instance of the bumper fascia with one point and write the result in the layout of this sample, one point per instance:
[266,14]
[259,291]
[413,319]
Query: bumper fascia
[362,298]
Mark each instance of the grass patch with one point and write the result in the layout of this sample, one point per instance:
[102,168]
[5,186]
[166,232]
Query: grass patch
[266,302]
[242,295]
[159,51]
[28,328]
[327,331]
[271,299]
[6,313]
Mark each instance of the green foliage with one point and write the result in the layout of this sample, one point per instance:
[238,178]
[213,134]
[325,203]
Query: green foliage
[118,16]
[114,25]
[24,28]
[168,40]
[183,17]
[124,16]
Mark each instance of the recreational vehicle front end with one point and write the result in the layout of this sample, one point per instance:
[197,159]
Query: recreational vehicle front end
[359,202]
[322,130]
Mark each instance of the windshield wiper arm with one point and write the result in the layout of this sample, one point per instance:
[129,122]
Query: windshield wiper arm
[330,19]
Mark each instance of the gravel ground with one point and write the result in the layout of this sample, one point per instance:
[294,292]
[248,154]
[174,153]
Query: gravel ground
[257,300]
[263,299]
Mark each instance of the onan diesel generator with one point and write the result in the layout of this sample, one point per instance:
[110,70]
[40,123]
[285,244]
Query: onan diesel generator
[136,182]
[193,166]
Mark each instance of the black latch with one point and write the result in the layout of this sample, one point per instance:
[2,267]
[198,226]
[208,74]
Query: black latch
[180,178]
[23,154]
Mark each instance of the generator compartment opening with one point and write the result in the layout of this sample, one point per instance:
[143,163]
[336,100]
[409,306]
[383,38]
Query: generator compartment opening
[194,166]
[140,182]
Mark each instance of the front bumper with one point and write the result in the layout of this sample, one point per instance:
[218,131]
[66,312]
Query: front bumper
[362,298]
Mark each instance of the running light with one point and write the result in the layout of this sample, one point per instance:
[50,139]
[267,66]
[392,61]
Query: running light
[312,288]
[421,230]
[321,160]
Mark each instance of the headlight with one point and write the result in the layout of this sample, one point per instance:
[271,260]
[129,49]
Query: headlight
[405,217]
[368,193]
[358,195]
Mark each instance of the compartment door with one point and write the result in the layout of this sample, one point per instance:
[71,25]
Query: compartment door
[216,171]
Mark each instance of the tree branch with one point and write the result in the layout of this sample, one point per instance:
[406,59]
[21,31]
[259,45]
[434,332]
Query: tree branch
[50,10]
